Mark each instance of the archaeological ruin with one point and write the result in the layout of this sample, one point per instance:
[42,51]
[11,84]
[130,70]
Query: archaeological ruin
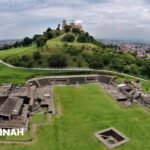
[128,93]
[111,137]
[19,102]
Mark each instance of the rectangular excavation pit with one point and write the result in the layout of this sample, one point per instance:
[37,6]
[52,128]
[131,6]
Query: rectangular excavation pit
[111,137]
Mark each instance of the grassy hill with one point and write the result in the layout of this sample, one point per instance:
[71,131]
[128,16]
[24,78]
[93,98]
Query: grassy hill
[53,46]
[58,42]
[57,49]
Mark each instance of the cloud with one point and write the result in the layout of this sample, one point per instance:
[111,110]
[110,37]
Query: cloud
[119,19]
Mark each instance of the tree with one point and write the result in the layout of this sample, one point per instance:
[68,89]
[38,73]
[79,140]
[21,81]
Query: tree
[16,44]
[49,35]
[36,55]
[26,41]
[82,39]
[68,38]
[41,41]
[86,38]
[57,33]
[48,30]
[24,58]
[118,64]
[36,36]
[57,60]
[146,68]
[58,27]
[134,69]
[67,28]
[5,47]
[96,62]
[87,34]
[76,30]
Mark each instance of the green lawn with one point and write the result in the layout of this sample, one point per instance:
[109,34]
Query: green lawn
[39,117]
[19,76]
[26,137]
[83,110]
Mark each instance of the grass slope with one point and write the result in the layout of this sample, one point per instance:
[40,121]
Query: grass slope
[51,44]
[19,76]
[13,52]
[58,42]
[83,110]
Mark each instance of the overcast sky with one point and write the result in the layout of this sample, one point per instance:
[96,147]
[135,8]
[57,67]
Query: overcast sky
[111,19]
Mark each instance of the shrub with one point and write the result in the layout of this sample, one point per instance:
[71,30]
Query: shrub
[41,41]
[39,62]
[48,35]
[36,36]
[16,44]
[48,30]
[86,38]
[82,39]
[23,61]
[5,47]
[73,50]
[96,62]
[26,61]
[14,61]
[76,30]
[57,60]
[36,55]
[68,38]
[67,28]
[26,41]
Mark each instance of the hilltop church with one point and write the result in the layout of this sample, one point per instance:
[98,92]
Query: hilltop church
[74,24]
